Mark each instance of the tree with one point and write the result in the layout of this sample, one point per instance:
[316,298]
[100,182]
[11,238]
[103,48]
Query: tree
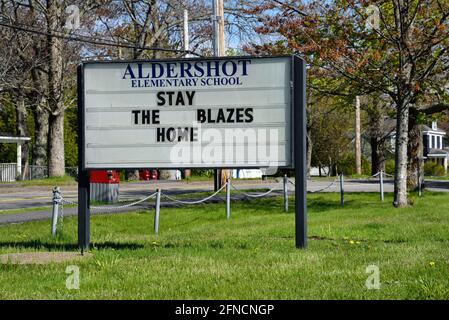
[400,55]
[378,109]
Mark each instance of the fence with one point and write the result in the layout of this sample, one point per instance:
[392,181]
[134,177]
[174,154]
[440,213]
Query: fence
[8,172]
[281,185]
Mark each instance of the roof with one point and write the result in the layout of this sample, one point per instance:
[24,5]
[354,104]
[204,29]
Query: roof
[427,128]
[390,124]
[437,152]
[11,138]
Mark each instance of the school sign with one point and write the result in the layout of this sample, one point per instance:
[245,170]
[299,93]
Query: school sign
[230,112]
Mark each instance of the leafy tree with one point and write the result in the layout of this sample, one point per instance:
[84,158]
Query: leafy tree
[397,48]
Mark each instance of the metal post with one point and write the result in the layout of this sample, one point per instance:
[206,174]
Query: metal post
[342,190]
[157,210]
[83,174]
[19,160]
[299,150]
[54,217]
[381,180]
[216,180]
[285,193]
[228,198]
[83,210]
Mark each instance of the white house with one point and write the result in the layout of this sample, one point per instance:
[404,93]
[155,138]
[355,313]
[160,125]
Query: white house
[9,172]
[433,146]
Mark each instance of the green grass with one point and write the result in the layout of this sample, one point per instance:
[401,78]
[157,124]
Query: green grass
[15,211]
[198,254]
[436,177]
[52,181]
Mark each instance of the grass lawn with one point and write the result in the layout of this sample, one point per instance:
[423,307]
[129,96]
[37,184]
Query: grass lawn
[52,181]
[198,254]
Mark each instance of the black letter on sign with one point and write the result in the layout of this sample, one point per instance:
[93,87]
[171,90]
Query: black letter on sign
[249,115]
[190,95]
[201,115]
[160,134]
[230,115]
[160,98]
[156,117]
[146,117]
[136,116]
[194,134]
[239,112]
[171,134]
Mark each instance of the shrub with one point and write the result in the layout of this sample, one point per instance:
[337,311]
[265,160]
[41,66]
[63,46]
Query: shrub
[433,169]
[389,166]
[347,165]
[202,172]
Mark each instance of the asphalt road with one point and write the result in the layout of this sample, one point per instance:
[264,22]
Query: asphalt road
[13,197]
[32,197]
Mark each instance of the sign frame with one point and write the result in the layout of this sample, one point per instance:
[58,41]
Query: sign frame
[81,96]
[298,143]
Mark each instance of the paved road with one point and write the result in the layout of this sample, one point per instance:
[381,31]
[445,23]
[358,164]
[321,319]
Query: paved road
[14,197]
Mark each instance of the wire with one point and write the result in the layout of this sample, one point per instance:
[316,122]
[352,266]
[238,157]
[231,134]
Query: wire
[85,39]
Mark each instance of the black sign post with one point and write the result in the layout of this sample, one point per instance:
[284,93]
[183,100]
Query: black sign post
[298,135]
[299,150]
[83,174]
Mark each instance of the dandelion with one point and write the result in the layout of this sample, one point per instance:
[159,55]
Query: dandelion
[351,241]
[432,263]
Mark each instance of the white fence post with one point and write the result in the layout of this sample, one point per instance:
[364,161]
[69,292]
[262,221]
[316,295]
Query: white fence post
[157,209]
[285,193]
[381,180]
[56,202]
[228,198]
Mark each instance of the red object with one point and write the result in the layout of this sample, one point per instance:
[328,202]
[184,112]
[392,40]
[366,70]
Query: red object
[148,174]
[154,175]
[104,176]
[144,174]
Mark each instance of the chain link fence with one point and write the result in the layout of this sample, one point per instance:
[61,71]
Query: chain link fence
[9,172]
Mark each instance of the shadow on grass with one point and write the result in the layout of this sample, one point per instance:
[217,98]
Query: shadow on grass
[50,246]
[322,205]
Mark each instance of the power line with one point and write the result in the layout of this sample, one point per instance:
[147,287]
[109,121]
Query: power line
[86,39]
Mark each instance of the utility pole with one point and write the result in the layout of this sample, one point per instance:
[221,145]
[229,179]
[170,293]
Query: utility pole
[187,172]
[219,46]
[186,30]
[358,146]
[221,40]
[218,27]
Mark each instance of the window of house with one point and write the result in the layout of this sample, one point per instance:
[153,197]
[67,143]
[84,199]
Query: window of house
[434,125]
[432,143]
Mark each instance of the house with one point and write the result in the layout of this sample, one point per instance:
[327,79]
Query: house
[9,171]
[433,146]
